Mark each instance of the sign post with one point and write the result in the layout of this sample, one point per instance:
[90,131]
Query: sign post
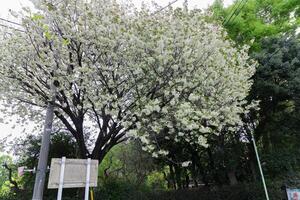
[61,178]
[259,166]
[87,182]
[73,173]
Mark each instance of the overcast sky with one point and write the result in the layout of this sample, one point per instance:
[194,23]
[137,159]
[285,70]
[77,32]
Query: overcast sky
[5,5]
[16,5]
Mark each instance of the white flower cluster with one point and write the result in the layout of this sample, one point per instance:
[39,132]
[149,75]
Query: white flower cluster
[140,73]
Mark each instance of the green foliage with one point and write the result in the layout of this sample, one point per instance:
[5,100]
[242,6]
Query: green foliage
[127,172]
[277,86]
[282,164]
[240,192]
[3,172]
[37,17]
[5,185]
[111,162]
[120,189]
[156,180]
[127,162]
[258,19]
[26,151]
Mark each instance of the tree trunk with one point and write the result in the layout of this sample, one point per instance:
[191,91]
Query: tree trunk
[203,174]
[178,177]
[212,167]
[172,176]
[194,169]
[232,177]
[168,179]
[253,169]
[252,161]
[187,180]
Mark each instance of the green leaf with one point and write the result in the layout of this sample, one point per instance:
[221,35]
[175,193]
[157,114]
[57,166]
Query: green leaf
[66,41]
[37,17]
[48,35]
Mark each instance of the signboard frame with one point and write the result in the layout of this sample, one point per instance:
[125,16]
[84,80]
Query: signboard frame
[73,173]
[70,166]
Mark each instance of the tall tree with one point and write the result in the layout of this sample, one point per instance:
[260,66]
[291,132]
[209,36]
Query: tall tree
[271,25]
[276,85]
[114,68]
[251,20]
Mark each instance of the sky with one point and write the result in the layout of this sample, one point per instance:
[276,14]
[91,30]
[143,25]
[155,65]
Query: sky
[16,5]
[10,129]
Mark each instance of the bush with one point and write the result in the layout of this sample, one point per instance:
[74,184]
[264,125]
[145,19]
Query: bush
[120,190]
[240,192]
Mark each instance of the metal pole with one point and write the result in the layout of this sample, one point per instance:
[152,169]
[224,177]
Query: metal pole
[287,194]
[87,182]
[61,178]
[259,166]
[43,157]
[92,194]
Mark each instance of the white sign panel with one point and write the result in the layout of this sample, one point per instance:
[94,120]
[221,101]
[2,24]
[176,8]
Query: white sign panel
[293,194]
[75,173]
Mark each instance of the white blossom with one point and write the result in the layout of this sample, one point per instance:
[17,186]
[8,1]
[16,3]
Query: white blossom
[186,163]
[117,68]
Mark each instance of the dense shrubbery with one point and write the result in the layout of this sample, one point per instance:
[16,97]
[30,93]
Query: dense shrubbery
[120,190]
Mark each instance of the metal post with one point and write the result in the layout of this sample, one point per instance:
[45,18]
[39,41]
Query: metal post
[259,166]
[92,194]
[286,192]
[43,157]
[87,182]
[61,178]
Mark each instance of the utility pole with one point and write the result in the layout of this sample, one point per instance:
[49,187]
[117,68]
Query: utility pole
[44,151]
[42,168]
[259,166]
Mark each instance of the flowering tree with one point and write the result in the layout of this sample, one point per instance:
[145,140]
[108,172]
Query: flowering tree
[117,72]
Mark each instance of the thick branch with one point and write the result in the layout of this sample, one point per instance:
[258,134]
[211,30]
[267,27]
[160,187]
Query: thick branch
[13,182]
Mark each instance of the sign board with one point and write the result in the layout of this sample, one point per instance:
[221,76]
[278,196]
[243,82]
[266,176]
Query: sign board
[293,194]
[74,175]
[21,171]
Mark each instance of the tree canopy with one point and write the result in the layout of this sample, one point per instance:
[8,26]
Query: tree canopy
[115,68]
[251,20]
[273,25]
